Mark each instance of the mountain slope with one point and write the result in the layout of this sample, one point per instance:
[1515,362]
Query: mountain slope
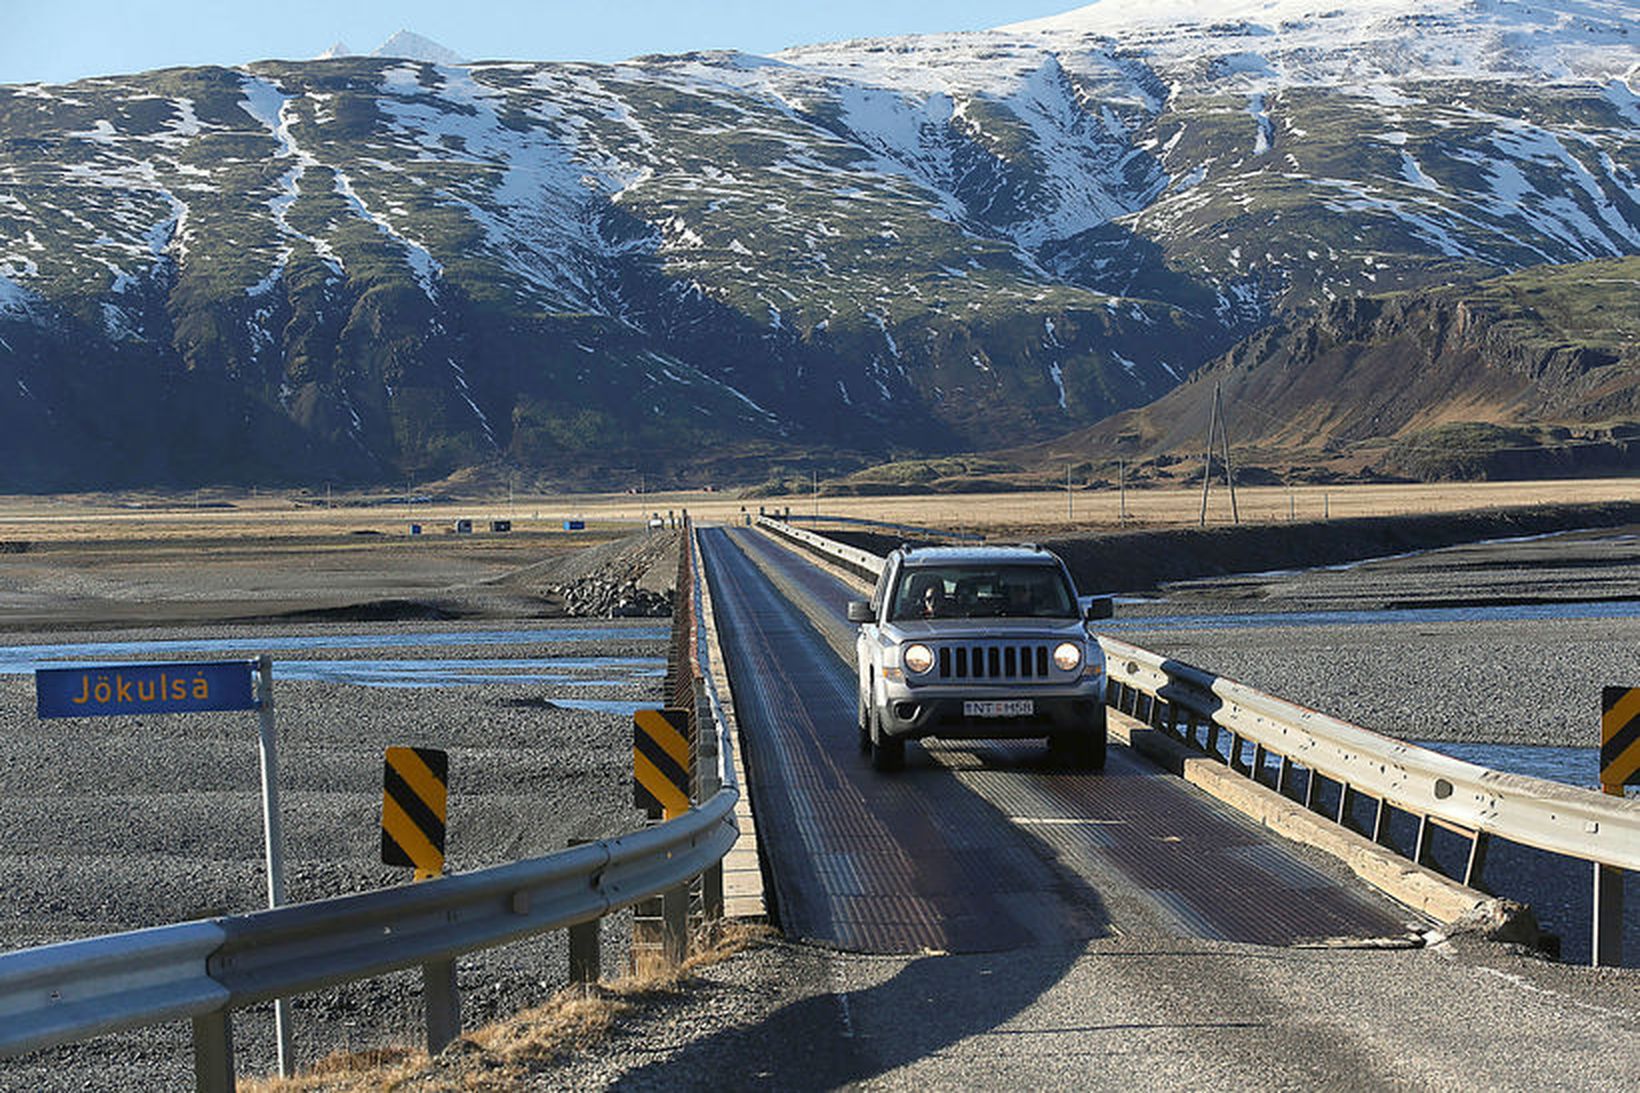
[707,264]
[1532,373]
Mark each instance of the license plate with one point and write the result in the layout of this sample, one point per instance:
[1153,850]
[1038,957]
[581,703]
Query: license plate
[1016,707]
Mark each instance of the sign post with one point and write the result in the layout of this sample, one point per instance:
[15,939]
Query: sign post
[122,690]
[415,794]
[1619,767]
[273,836]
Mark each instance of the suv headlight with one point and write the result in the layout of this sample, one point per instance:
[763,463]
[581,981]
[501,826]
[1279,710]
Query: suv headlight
[1067,656]
[917,659]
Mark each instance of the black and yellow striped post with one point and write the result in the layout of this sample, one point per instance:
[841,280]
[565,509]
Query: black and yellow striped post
[661,761]
[1619,738]
[1619,767]
[662,774]
[414,789]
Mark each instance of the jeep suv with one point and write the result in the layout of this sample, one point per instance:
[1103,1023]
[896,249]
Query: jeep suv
[978,643]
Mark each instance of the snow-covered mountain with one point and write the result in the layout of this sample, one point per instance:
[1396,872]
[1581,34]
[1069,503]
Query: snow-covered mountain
[843,251]
[406,45]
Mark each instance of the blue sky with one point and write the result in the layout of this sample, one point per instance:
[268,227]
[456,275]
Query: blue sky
[61,40]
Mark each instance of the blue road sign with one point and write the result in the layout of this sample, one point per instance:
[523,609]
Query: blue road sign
[189,687]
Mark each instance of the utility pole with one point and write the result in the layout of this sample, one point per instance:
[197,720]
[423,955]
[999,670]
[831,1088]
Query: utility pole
[1224,438]
[1121,492]
[1207,459]
[1216,424]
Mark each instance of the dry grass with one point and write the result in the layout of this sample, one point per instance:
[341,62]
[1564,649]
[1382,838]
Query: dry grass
[503,1057]
[540,518]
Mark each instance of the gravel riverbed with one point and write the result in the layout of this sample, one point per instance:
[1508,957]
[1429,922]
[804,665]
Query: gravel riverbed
[120,823]
[1505,642]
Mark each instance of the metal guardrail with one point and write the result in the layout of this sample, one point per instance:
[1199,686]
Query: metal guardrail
[884,525]
[1201,708]
[205,970]
[1534,812]
[863,562]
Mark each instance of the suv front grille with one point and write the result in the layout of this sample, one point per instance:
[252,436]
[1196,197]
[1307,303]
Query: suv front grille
[989,661]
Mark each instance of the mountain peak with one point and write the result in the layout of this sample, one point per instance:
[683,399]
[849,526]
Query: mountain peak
[414,47]
[337,49]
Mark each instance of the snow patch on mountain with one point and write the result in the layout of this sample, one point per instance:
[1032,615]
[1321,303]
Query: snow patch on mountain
[1304,42]
[537,211]
[14,299]
[413,47]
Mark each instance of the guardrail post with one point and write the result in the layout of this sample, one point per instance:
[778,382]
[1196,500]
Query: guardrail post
[1380,823]
[585,952]
[586,957]
[1477,861]
[443,1004]
[213,1052]
[1421,848]
[1608,917]
[709,781]
[675,925]
[1346,798]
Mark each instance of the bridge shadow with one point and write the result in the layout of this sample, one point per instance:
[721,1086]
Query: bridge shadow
[836,1040]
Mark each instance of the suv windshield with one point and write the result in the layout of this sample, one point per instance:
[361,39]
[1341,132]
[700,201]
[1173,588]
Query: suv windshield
[982,591]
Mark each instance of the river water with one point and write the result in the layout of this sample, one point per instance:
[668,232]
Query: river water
[576,682]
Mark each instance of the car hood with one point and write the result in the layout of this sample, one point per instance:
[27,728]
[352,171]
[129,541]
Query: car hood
[986,629]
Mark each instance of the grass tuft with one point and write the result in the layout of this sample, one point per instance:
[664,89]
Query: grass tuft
[503,1056]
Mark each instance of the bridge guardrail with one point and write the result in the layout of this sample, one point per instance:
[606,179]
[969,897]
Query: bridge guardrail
[885,525]
[74,990]
[1199,708]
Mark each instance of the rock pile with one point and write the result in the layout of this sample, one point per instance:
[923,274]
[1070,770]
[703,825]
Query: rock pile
[602,598]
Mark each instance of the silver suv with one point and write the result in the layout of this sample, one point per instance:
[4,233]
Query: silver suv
[978,643]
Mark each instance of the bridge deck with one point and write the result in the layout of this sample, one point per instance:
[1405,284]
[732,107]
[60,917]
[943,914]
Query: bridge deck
[978,846]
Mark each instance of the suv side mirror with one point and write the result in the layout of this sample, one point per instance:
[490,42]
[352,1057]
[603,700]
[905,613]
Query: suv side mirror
[1099,607]
[860,611]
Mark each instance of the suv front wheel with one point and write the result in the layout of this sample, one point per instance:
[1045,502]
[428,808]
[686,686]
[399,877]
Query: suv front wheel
[1083,750]
[887,752]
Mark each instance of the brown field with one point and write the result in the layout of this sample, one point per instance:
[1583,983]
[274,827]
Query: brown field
[537,519]
[106,562]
